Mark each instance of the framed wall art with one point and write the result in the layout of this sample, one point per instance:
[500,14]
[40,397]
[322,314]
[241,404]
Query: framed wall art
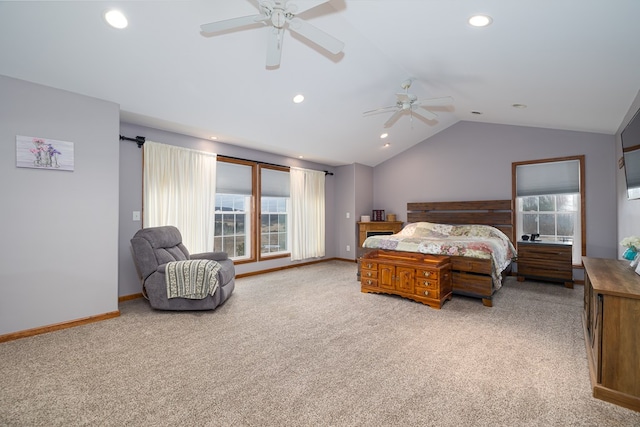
[42,153]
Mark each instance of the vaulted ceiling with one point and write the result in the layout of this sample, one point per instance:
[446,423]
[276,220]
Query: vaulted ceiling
[574,64]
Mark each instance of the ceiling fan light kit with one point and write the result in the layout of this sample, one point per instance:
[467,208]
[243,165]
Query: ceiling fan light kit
[279,15]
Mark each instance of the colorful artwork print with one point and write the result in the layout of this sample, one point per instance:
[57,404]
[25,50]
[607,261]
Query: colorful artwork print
[41,153]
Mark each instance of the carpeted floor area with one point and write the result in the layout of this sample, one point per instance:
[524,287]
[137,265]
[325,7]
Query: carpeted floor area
[304,347]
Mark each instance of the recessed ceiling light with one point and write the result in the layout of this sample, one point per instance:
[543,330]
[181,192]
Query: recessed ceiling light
[213,137]
[480,20]
[300,157]
[476,112]
[384,135]
[387,145]
[116,19]
[298,99]
[519,106]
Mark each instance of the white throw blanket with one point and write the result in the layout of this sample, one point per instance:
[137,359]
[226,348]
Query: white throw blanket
[192,279]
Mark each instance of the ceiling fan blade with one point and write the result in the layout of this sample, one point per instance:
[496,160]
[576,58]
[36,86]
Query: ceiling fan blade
[316,35]
[393,118]
[426,114]
[274,47]
[381,109]
[302,6]
[436,102]
[231,24]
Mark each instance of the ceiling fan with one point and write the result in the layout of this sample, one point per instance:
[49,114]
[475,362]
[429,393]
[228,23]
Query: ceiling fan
[278,15]
[408,102]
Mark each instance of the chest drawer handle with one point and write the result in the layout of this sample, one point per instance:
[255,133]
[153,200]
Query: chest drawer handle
[368,265]
[369,282]
[426,293]
[369,274]
[426,273]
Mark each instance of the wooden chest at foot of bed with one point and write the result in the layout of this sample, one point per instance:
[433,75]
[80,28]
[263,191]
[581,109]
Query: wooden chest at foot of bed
[422,278]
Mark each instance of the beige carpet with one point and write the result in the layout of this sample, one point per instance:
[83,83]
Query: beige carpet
[304,347]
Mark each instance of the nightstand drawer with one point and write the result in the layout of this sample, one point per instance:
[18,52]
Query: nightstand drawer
[525,270]
[546,252]
[544,264]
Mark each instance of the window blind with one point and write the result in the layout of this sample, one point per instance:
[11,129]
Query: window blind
[232,178]
[537,179]
[274,183]
[632,168]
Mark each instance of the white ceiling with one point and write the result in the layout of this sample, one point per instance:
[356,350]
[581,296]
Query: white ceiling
[574,63]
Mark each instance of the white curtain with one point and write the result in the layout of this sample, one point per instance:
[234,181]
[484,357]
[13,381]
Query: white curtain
[307,213]
[179,190]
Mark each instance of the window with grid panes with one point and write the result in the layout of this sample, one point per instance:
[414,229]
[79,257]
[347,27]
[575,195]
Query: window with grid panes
[274,211]
[233,211]
[548,200]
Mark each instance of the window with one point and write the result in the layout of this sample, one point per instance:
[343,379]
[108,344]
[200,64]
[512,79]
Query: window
[551,216]
[233,209]
[252,210]
[274,225]
[232,225]
[549,200]
[274,211]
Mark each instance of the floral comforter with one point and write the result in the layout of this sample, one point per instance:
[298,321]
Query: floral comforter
[474,241]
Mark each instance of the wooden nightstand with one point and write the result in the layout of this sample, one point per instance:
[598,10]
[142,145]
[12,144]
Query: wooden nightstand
[546,260]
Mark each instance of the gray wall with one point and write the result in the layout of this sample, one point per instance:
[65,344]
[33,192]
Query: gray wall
[131,196]
[345,204]
[355,196]
[364,193]
[628,210]
[60,228]
[472,161]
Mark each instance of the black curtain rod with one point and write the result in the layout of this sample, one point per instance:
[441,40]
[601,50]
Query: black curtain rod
[265,163]
[138,140]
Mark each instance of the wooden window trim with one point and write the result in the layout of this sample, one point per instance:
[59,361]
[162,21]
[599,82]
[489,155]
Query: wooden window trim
[257,233]
[583,221]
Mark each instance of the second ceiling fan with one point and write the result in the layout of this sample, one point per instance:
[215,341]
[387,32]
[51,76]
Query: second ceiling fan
[407,103]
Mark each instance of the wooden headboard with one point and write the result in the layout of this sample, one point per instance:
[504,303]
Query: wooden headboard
[497,213]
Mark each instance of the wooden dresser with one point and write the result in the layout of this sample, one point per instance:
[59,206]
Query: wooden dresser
[546,260]
[611,320]
[420,277]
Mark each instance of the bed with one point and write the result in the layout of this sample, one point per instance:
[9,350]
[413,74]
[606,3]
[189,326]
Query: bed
[476,235]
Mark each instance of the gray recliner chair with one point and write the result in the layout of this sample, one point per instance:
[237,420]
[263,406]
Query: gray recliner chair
[154,247]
